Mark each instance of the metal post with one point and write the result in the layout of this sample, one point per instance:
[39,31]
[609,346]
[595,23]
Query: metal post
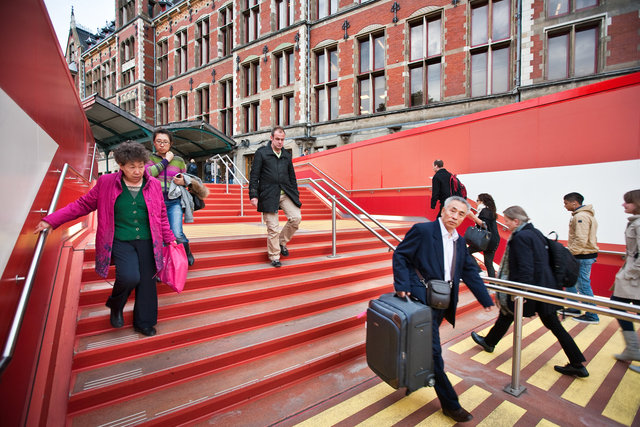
[515,389]
[226,175]
[241,200]
[333,228]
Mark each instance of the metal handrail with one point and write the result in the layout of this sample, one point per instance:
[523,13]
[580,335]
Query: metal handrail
[233,172]
[335,201]
[324,174]
[547,295]
[18,317]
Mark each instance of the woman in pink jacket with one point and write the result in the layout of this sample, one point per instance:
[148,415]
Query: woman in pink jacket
[132,227]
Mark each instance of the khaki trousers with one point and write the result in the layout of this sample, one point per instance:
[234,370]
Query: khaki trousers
[275,238]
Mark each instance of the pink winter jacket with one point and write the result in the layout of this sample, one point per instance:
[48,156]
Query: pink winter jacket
[103,197]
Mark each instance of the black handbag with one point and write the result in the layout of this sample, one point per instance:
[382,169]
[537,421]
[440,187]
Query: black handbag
[198,203]
[477,238]
[438,292]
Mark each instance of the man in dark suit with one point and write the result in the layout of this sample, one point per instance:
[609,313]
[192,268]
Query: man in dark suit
[439,252]
[440,185]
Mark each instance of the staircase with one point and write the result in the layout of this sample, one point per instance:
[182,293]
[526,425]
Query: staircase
[241,334]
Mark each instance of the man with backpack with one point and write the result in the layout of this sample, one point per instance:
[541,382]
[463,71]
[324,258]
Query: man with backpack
[444,184]
[583,245]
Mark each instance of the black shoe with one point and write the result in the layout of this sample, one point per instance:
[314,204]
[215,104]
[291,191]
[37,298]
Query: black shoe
[284,251]
[276,263]
[459,415]
[480,341]
[150,331]
[571,370]
[187,249]
[116,318]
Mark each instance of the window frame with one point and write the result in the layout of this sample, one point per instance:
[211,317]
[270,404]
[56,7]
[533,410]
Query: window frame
[327,85]
[203,103]
[570,31]
[571,7]
[202,42]
[251,20]
[490,47]
[426,61]
[288,103]
[181,52]
[225,15]
[226,106]
[372,75]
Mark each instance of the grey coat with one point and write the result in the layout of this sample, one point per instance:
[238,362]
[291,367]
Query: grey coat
[627,282]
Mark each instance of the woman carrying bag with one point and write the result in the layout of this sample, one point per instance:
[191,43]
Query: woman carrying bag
[626,287]
[487,218]
[132,227]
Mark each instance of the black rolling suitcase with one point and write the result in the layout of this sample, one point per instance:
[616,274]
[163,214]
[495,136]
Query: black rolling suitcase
[399,342]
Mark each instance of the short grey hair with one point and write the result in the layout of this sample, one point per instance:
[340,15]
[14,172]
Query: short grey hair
[457,199]
[516,212]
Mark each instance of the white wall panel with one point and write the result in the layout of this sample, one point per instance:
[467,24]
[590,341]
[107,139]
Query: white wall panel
[540,193]
[27,152]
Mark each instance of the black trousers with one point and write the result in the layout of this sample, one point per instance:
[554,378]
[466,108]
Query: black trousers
[135,268]
[625,324]
[488,261]
[443,387]
[551,322]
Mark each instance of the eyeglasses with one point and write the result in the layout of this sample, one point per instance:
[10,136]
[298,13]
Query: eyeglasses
[162,142]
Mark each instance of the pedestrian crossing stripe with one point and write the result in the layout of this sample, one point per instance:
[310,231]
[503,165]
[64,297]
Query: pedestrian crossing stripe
[368,397]
[506,414]
[625,401]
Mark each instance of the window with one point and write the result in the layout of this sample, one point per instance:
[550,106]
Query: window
[129,105]
[326,89]
[490,47]
[285,109]
[562,7]
[127,60]
[251,77]
[251,17]
[284,68]
[327,7]
[226,29]
[202,42]
[163,61]
[572,51]
[88,84]
[163,113]
[284,9]
[181,107]
[425,60]
[202,104]
[251,114]
[181,52]
[371,79]
[226,107]
[126,11]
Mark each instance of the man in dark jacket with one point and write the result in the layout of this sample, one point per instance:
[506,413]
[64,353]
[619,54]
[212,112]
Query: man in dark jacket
[273,186]
[439,252]
[440,185]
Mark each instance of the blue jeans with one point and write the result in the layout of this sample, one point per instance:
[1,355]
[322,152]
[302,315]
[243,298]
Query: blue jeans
[174,214]
[583,285]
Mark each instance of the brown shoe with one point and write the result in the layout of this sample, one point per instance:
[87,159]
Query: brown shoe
[459,415]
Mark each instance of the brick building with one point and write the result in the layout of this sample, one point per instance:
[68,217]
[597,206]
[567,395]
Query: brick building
[339,71]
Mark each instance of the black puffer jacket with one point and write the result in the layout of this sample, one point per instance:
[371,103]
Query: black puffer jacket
[269,175]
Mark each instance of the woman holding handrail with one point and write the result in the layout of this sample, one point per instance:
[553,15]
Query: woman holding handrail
[626,287]
[132,227]
[526,260]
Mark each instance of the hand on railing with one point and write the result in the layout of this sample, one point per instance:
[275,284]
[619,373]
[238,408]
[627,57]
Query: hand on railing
[42,226]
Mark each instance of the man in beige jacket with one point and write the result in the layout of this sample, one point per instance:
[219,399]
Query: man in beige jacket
[583,244]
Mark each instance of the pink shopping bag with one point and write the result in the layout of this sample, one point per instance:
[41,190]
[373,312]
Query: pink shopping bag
[174,272]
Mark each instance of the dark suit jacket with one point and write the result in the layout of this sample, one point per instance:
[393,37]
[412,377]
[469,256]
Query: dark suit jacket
[440,187]
[422,249]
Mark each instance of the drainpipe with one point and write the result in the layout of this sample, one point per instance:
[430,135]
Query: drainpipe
[308,71]
[155,77]
[519,51]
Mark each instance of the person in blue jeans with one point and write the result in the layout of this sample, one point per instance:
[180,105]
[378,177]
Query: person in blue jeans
[583,245]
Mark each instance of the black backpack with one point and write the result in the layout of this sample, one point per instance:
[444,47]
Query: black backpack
[456,187]
[563,264]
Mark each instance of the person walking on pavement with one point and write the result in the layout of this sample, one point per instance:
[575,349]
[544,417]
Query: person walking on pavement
[273,186]
[439,252]
[626,287]
[583,245]
[526,260]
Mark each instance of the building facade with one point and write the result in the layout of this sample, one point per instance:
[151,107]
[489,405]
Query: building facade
[339,71]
